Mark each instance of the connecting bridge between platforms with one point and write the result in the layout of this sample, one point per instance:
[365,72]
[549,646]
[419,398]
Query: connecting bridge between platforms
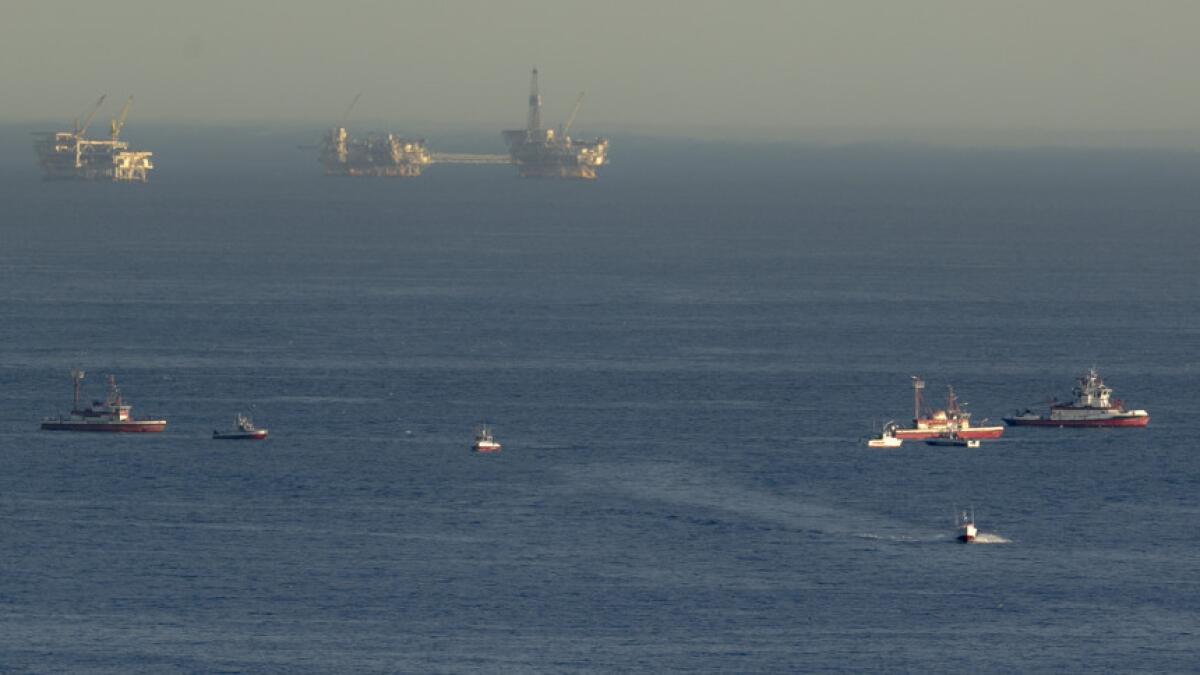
[462,158]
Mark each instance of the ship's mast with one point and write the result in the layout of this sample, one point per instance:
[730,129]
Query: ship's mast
[114,393]
[918,385]
[77,380]
[534,123]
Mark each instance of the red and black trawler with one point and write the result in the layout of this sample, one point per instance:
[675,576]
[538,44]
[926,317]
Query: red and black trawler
[1093,407]
[953,422]
[110,415]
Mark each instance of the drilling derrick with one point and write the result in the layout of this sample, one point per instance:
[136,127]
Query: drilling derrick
[534,122]
[71,155]
[374,155]
[542,153]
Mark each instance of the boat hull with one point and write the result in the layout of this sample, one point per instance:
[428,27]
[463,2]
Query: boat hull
[1131,421]
[486,448]
[258,435]
[133,427]
[972,434]
[953,442]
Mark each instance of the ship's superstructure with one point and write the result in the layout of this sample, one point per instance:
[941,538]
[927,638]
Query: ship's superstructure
[70,155]
[374,155]
[550,153]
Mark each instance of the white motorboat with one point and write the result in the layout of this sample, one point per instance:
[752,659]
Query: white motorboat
[485,441]
[886,438]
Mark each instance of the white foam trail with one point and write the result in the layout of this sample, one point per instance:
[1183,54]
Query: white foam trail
[990,538]
[686,486]
[902,538]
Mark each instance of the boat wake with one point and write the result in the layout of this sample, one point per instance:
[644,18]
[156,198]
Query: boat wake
[900,538]
[686,489]
[980,538]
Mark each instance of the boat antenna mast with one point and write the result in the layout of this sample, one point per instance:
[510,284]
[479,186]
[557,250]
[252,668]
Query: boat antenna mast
[76,380]
[114,392]
[918,385]
[964,516]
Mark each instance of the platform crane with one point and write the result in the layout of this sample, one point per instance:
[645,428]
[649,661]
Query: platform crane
[80,130]
[118,122]
[346,115]
[566,128]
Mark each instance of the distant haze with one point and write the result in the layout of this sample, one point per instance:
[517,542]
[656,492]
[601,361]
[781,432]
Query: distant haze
[1074,71]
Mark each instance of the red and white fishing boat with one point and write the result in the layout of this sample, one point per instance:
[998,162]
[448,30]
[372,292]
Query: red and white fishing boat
[952,421]
[485,441]
[243,430]
[110,415]
[1093,406]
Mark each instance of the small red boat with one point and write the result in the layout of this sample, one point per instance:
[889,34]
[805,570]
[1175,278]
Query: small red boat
[111,415]
[952,421]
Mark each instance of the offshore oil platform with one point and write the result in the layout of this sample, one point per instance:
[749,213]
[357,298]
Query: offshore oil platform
[547,153]
[374,155]
[69,155]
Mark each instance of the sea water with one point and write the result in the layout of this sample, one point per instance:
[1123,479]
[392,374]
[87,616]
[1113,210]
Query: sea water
[681,360]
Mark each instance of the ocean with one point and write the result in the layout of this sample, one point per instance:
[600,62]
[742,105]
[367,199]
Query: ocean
[682,360]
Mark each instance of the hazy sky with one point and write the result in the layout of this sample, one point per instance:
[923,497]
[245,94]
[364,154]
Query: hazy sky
[870,68]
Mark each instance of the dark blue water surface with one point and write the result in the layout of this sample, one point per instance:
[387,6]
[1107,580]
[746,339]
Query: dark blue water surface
[680,359]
